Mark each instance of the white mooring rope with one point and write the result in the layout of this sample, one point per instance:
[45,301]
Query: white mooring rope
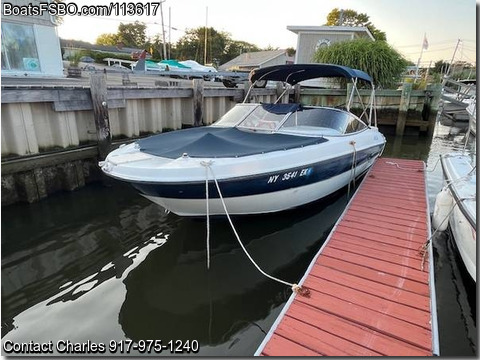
[207,164]
[208,211]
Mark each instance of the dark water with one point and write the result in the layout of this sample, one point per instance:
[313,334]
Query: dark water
[104,264]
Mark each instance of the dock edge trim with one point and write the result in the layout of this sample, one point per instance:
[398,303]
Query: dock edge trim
[433,295]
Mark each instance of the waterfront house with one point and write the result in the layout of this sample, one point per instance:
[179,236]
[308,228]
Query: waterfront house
[30,44]
[310,38]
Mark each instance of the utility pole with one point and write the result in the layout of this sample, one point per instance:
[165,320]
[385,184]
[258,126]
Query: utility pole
[205,45]
[163,31]
[169,31]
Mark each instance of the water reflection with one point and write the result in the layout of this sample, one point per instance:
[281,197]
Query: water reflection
[130,270]
[213,305]
[73,239]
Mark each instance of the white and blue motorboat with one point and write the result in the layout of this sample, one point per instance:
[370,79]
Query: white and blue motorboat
[264,157]
[456,205]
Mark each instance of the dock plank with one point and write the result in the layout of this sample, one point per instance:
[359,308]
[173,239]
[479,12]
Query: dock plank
[386,291]
[369,286]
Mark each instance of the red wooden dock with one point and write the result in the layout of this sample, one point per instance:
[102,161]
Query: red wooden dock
[369,294]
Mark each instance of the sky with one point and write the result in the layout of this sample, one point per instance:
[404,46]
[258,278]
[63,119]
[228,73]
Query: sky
[264,22]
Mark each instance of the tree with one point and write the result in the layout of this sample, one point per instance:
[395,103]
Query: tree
[291,51]
[132,35]
[440,67]
[192,44]
[220,47]
[383,63]
[107,39]
[235,48]
[350,17]
[154,45]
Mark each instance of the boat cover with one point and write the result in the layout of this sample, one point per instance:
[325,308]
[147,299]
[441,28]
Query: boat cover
[296,73]
[218,142]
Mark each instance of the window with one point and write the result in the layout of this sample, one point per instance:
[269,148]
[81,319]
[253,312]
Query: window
[19,50]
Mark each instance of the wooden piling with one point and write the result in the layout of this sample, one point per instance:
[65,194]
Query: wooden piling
[198,102]
[297,91]
[404,105]
[98,90]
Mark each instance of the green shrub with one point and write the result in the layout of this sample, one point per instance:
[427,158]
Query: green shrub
[378,59]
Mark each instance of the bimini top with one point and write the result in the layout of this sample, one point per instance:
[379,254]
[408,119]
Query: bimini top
[296,73]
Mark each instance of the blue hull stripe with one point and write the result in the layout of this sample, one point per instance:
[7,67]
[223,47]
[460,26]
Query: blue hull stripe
[260,183]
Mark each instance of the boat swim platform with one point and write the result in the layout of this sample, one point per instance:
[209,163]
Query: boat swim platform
[371,290]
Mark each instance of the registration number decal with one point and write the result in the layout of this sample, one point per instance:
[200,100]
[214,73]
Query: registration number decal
[290,175]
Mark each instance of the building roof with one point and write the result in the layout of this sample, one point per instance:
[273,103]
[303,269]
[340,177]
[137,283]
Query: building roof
[252,59]
[363,31]
[78,44]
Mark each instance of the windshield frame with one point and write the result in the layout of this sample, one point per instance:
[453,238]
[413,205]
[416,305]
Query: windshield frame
[330,130]
[274,122]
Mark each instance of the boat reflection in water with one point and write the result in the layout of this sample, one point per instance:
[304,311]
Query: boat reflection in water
[159,286]
[213,305]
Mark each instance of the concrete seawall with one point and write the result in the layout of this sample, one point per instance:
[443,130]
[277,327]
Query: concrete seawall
[51,138]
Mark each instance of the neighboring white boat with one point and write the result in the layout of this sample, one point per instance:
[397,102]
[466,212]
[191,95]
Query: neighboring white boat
[265,157]
[472,115]
[457,201]
[456,97]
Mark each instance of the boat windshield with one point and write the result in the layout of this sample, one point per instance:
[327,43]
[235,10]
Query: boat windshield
[292,119]
[267,117]
[321,121]
[235,115]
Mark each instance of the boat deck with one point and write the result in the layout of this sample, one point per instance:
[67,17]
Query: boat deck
[370,294]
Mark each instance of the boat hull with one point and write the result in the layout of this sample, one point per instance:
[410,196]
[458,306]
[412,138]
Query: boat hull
[255,184]
[259,203]
[461,182]
[261,193]
[465,238]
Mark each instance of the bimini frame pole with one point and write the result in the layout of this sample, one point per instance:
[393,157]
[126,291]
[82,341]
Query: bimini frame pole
[373,107]
[351,93]
[251,86]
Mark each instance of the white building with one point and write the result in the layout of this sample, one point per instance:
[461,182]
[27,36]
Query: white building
[30,44]
[310,38]
[257,59]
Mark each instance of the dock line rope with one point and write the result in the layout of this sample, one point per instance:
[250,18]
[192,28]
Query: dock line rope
[303,291]
[423,249]
[402,168]
[418,170]
[207,165]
